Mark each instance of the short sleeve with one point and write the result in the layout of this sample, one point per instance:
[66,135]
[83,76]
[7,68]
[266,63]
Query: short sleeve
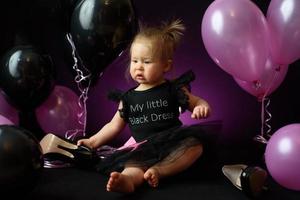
[117,96]
[183,81]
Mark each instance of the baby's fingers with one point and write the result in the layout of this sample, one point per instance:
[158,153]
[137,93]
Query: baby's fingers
[80,142]
[196,113]
[204,112]
[200,112]
[193,115]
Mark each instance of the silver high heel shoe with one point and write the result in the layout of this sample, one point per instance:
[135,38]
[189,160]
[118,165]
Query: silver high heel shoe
[52,144]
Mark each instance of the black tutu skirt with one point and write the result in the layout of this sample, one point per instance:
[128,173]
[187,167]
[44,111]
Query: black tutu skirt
[164,146]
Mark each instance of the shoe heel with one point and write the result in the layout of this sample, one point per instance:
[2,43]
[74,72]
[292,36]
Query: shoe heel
[253,180]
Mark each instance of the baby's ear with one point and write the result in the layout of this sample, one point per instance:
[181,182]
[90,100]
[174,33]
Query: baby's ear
[169,65]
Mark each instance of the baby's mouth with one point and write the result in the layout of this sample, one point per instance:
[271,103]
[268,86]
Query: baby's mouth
[139,77]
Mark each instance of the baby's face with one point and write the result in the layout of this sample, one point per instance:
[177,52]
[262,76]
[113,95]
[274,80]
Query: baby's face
[145,68]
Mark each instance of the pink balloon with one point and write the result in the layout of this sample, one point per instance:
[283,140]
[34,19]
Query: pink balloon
[5,121]
[60,112]
[269,81]
[282,156]
[7,110]
[283,17]
[235,35]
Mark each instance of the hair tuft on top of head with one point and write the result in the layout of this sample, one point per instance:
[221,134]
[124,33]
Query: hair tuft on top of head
[164,38]
[173,29]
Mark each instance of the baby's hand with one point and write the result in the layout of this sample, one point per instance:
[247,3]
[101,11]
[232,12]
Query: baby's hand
[201,111]
[85,142]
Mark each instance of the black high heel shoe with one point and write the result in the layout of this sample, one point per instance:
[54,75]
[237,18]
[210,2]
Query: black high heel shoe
[66,150]
[251,180]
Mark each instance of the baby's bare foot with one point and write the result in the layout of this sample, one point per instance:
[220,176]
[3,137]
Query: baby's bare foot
[119,183]
[152,177]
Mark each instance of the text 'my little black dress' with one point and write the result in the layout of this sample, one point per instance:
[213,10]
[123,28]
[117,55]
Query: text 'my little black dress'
[153,119]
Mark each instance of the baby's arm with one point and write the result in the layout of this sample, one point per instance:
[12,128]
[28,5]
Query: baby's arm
[198,106]
[107,132]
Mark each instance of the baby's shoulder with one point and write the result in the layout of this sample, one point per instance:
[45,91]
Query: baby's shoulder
[184,80]
[116,95]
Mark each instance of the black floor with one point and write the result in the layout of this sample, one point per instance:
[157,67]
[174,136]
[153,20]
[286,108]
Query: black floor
[72,183]
[203,180]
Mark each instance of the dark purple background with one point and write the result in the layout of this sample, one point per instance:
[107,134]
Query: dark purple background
[239,111]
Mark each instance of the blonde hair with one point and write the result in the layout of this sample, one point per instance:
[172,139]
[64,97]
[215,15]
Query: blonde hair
[164,38]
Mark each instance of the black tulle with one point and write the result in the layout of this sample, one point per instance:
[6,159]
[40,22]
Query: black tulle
[165,146]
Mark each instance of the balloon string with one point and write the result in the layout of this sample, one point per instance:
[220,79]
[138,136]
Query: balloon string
[83,88]
[260,138]
[264,109]
[264,121]
[268,119]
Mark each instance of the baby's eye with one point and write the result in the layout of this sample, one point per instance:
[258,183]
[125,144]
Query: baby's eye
[134,61]
[147,62]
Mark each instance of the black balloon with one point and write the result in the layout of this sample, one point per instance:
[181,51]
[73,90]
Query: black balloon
[101,30]
[26,77]
[21,160]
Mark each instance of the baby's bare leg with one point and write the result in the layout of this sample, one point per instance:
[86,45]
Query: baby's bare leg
[165,168]
[127,181]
